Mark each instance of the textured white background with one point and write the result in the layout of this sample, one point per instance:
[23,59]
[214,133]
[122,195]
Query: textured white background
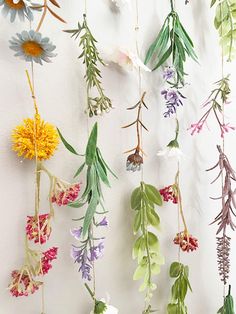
[61,96]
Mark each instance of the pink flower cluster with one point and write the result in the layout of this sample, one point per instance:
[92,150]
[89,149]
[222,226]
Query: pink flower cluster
[38,228]
[63,196]
[169,193]
[22,284]
[47,259]
[186,241]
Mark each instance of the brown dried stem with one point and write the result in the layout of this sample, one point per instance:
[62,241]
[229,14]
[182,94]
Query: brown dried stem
[138,122]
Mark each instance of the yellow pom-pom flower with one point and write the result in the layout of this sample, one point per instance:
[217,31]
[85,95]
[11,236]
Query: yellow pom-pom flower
[35,138]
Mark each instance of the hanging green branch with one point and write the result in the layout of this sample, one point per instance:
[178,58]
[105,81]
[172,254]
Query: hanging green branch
[225,23]
[146,248]
[172,42]
[96,174]
[228,307]
[179,289]
[101,103]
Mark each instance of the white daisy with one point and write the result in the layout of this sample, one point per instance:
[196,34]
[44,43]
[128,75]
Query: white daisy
[31,46]
[104,308]
[172,150]
[17,7]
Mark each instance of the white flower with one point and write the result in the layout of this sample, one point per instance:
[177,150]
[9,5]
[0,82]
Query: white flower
[109,309]
[120,3]
[127,60]
[170,152]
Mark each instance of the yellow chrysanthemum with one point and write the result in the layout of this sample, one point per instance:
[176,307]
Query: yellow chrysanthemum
[35,135]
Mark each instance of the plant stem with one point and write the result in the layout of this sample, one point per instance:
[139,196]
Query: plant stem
[43,15]
[90,291]
[172,5]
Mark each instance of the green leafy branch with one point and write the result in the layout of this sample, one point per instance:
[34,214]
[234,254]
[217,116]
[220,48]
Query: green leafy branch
[179,289]
[91,58]
[146,248]
[228,307]
[225,23]
[172,41]
[96,175]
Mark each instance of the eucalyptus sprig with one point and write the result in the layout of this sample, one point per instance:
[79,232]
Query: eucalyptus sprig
[225,23]
[91,58]
[179,289]
[172,42]
[146,248]
[228,307]
[96,175]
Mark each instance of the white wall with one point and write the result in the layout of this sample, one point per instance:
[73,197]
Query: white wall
[61,95]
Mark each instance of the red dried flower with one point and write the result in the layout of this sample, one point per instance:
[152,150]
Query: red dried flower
[186,241]
[170,193]
[47,258]
[22,283]
[38,228]
[65,193]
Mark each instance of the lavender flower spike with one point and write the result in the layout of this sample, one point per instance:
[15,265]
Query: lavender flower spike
[76,232]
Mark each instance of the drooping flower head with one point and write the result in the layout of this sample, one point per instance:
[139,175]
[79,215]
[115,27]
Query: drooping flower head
[101,307]
[134,162]
[47,259]
[20,8]
[35,138]
[64,193]
[32,46]
[170,193]
[186,241]
[22,283]
[38,228]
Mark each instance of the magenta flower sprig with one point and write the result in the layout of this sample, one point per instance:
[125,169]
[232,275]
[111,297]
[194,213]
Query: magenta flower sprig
[214,104]
[225,218]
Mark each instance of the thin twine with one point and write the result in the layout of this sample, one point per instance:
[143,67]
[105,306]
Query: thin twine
[137,28]
[88,132]
[223,119]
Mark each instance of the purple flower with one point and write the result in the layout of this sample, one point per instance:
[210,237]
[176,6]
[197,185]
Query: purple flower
[76,233]
[103,222]
[173,100]
[96,252]
[80,256]
[168,73]
[76,253]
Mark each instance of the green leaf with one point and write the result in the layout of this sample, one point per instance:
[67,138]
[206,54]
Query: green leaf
[153,241]
[153,194]
[91,146]
[102,174]
[162,36]
[99,154]
[175,269]
[79,170]
[163,58]
[136,198]
[137,222]
[90,212]
[76,204]
[140,272]
[66,144]
[153,218]
[212,3]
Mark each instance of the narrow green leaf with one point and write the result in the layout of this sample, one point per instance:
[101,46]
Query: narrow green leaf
[90,213]
[163,59]
[66,144]
[92,145]
[104,163]
[136,198]
[79,170]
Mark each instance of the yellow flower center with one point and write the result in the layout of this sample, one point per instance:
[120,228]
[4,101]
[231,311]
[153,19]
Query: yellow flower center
[32,48]
[16,6]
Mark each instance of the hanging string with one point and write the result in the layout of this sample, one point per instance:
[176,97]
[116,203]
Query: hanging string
[223,120]
[137,28]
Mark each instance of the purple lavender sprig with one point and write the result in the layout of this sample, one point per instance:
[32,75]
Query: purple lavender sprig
[173,97]
[223,260]
[90,249]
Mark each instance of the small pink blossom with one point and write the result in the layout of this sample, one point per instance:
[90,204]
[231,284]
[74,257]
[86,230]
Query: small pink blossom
[186,241]
[170,193]
[38,228]
[47,259]
[65,193]
[22,283]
